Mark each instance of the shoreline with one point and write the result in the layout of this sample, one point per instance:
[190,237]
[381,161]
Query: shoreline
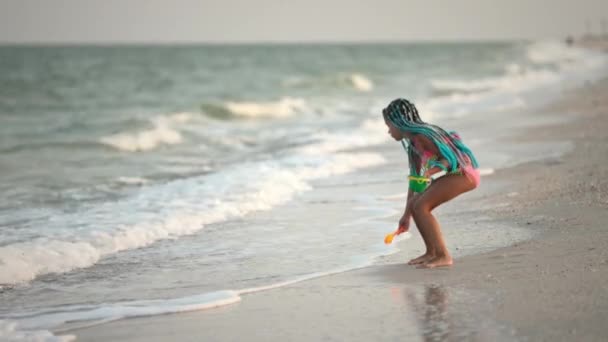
[548,288]
[551,287]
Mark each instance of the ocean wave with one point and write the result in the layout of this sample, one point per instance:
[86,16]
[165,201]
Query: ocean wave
[178,209]
[132,180]
[370,132]
[551,64]
[451,87]
[285,107]
[163,132]
[360,82]
[457,105]
[356,80]
[556,52]
[90,315]
[515,78]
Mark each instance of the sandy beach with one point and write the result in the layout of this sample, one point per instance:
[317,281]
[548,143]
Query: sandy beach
[230,172]
[550,288]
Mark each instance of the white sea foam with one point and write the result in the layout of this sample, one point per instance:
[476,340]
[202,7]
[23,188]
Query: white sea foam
[488,94]
[355,80]
[552,64]
[360,82]
[458,86]
[554,51]
[107,313]
[163,132]
[179,208]
[284,107]
[486,171]
[132,180]
[31,326]
[515,78]
[370,132]
[556,59]
[144,140]
[10,331]
[185,206]
[32,323]
[458,105]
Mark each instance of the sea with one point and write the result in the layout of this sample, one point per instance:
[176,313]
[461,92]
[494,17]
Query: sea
[153,179]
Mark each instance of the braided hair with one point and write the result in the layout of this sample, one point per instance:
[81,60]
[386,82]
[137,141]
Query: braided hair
[403,114]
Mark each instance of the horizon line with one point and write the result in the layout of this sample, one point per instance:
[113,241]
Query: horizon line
[102,43]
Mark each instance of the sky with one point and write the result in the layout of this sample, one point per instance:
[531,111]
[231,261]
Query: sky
[236,21]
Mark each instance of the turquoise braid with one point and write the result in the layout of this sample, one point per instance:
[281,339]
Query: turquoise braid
[404,115]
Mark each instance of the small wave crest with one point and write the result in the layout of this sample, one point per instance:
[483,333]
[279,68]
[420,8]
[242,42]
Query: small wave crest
[549,64]
[132,180]
[553,51]
[233,193]
[370,132]
[515,78]
[355,80]
[449,87]
[285,107]
[360,82]
[163,132]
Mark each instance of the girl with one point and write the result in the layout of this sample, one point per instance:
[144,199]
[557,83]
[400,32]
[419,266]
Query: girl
[430,150]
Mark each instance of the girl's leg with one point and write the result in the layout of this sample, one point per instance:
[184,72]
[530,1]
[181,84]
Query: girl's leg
[430,253]
[441,191]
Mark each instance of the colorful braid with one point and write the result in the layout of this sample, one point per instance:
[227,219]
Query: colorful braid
[403,114]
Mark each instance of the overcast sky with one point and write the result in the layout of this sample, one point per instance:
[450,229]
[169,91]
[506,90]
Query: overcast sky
[104,21]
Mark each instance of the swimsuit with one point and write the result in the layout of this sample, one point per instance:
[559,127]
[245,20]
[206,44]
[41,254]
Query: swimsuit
[428,160]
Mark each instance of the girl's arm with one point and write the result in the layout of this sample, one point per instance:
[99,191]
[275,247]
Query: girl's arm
[404,222]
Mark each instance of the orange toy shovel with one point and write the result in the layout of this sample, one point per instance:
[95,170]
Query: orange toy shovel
[389,237]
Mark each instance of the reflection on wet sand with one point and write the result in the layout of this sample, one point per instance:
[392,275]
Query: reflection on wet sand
[450,314]
[432,313]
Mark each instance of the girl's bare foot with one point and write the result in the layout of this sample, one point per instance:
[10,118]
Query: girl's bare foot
[441,261]
[421,259]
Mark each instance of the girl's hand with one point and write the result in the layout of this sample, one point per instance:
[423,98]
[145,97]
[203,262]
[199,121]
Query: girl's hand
[404,223]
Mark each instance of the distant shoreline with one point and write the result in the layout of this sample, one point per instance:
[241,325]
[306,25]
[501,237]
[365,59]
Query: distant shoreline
[589,41]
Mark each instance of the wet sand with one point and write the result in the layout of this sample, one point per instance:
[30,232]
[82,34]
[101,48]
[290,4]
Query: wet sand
[553,287]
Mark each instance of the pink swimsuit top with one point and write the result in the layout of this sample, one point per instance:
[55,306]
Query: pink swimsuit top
[429,160]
